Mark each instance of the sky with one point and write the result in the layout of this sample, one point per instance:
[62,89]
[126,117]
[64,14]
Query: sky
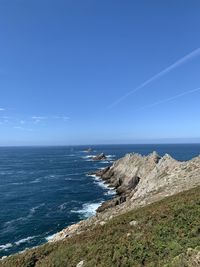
[99,72]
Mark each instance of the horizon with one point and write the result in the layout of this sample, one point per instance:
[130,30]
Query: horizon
[79,73]
[104,144]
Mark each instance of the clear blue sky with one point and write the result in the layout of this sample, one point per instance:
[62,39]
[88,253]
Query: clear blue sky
[63,63]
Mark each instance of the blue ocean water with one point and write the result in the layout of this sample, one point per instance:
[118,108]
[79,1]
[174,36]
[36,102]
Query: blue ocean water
[44,189]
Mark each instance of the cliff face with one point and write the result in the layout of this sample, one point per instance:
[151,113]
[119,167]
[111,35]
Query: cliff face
[126,174]
[140,180]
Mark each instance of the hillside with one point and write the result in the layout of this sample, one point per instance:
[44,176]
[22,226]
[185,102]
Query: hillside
[152,221]
[165,233]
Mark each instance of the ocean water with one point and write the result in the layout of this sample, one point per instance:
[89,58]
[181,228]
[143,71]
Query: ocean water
[44,189]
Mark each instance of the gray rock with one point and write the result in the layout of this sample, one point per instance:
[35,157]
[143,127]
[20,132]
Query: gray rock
[133,223]
[101,156]
[80,264]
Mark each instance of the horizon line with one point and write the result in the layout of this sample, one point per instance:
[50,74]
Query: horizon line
[104,144]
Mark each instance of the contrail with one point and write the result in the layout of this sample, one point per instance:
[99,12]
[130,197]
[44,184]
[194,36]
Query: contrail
[169,99]
[176,64]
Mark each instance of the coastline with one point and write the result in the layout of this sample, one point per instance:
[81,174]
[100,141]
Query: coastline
[146,179]
[71,207]
[154,184]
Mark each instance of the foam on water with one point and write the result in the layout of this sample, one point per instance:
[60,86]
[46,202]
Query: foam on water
[111,192]
[110,156]
[14,221]
[48,238]
[88,209]
[19,183]
[101,184]
[34,209]
[24,240]
[92,175]
[6,246]
[62,206]
[105,161]
[87,157]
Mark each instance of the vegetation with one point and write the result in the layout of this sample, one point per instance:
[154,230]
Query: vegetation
[166,233]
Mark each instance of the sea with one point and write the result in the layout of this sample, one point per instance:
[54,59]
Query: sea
[45,189]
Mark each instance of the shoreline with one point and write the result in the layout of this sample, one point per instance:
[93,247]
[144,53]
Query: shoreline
[138,181]
[100,183]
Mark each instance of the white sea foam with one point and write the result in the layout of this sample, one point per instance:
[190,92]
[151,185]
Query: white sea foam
[102,184]
[88,156]
[50,237]
[19,183]
[6,246]
[110,156]
[111,192]
[62,206]
[14,221]
[34,209]
[24,240]
[3,258]
[88,209]
[93,176]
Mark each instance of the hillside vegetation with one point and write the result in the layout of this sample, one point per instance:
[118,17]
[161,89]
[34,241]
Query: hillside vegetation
[165,233]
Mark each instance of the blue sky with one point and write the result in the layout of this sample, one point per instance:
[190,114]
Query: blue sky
[65,65]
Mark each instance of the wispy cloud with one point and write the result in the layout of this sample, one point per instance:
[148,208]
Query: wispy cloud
[65,118]
[169,99]
[173,66]
[2,109]
[37,119]
[22,128]
[24,122]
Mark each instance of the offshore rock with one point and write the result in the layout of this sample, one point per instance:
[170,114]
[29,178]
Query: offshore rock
[101,156]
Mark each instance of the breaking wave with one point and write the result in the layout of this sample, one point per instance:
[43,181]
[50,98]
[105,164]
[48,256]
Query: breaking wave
[88,209]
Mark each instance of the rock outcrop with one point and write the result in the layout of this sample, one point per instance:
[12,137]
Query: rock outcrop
[101,156]
[125,174]
[139,180]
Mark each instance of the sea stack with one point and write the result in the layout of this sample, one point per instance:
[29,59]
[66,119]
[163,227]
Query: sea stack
[101,156]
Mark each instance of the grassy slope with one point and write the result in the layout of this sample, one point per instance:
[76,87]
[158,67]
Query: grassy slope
[165,230]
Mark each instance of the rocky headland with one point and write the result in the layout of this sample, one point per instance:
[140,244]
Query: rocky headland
[139,181]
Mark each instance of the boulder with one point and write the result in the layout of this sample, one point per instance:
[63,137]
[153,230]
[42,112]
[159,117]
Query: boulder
[80,264]
[133,223]
[101,156]
[102,223]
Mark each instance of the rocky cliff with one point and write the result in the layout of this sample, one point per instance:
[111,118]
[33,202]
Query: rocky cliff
[139,180]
